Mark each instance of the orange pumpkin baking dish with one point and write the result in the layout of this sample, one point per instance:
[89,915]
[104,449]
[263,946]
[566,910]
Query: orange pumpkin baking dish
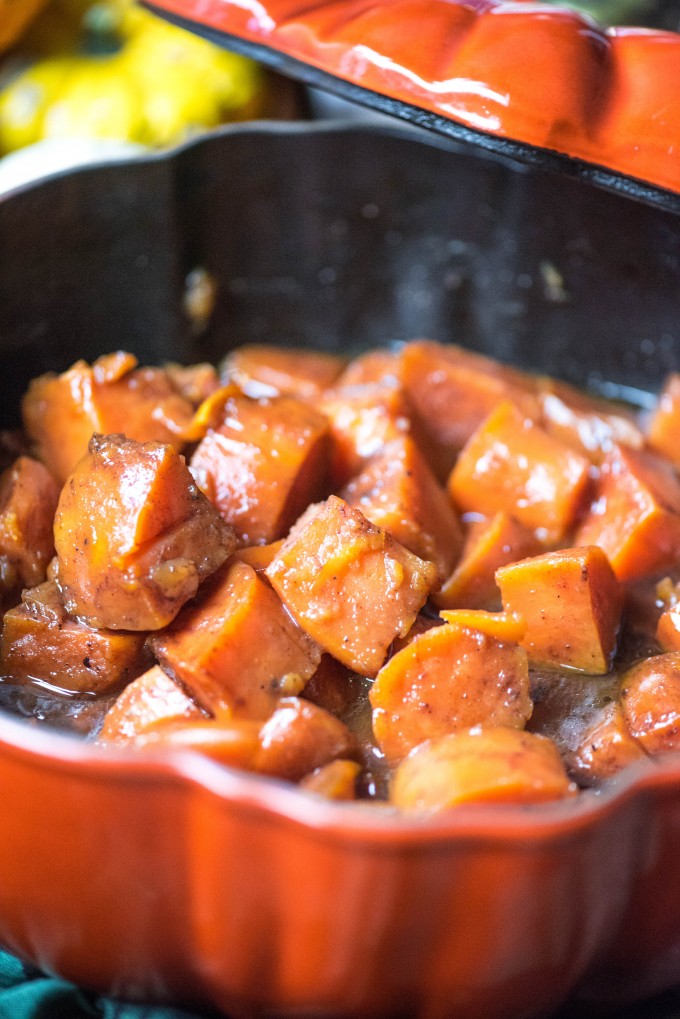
[516,77]
[166,877]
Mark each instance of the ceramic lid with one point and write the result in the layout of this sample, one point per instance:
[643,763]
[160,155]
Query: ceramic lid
[537,82]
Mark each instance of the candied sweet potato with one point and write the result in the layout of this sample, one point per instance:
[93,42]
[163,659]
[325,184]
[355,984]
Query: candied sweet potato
[605,749]
[664,426]
[650,698]
[263,465]
[28,500]
[490,542]
[452,390]
[236,648]
[589,424]
[448,679]
[41,643]
[571,602]
[62,412]
[263,370]
[511,464]
[668,629]
[334,781]
[134,536]
[151,698]
[486,765]
[398,492]
[349,584]
[635,515]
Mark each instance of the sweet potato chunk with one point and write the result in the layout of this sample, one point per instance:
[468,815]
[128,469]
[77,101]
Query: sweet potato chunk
[363,420]
[263,465]
[452,390]
[664,427]
[40,643]
[61,412]
[334,781]
[511,464]
[349,585]
[28,500]
[448,679]
[134,536]
[398,492]
[635,516]
[237,648]
[487,765]
[151,698]
[490,543]
[261,370]
[571,602]
[587,423]
[379,366]
[668,629]
[650,697]
[605,749]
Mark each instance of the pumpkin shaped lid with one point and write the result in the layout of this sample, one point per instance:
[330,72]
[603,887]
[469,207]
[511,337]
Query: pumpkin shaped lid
[537,82]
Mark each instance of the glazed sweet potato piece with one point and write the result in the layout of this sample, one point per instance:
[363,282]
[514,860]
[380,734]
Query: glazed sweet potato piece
[363,420]
[635,515]
[452,390]
[262,370]
[606,748]
[448,679]
[490,542]
[664,426]
[299,737]
[61,412]
[587,423]
[486,765]
[195,382]
[236,648]
[28,500]
[151,698]
[263,465]
[349,585]
[512,464]
[257,556]
[398,492]
[336,780]
[571,602]
[134,536]
[41,643]
[650,698]
[668,629]
[375,367]
[295,739]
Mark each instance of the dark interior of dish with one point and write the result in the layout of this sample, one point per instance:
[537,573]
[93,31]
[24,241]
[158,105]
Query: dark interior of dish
[343,239]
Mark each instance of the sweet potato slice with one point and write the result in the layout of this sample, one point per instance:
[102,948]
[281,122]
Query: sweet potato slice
[151,698]
[650,697]
[363,420]
[41,644]
[571,602]
[263,465]
[134,536]
[452,390]
[262,370]
[490,542]
[61,412]
[664,426]
[512,464]
[299,737]
[336,780]
[587,423]
[398,492]
[635,516]
[237,649]
[28,500]
[605,749]
[349,585]
[487,765]
[448,679]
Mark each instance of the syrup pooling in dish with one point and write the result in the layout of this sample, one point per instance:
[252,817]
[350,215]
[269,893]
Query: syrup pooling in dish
[418,576]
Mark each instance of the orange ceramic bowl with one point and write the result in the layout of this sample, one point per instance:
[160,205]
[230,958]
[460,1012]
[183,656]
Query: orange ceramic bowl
[168,878]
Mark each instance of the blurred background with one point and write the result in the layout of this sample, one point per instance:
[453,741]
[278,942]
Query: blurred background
[81,79]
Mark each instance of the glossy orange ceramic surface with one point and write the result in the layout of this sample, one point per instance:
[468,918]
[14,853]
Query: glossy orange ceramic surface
[530,72]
